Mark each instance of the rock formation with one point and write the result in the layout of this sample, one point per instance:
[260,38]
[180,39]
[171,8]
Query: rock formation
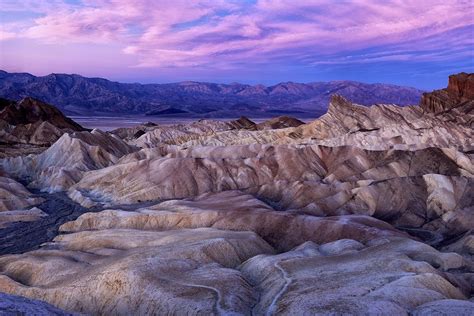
[366,210]
[135,132]
[64,163]
[397,186]
[29,111]
[460,89]
[14,195]
[279,122]
[17,203]
[13,216]
[29,126]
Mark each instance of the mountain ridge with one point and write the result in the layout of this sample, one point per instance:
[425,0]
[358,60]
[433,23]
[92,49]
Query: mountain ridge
[75,94]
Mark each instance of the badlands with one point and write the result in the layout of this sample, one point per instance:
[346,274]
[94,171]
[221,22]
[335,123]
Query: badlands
[368,210]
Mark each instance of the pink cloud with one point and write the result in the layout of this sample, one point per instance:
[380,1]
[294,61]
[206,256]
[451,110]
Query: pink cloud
[5,35]
[214,33]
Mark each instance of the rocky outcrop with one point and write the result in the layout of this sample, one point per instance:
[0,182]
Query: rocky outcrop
[29,126]
[17,203]
[180,133]
[460,89]
[462,86]
[377,127]
[273,123]
[243,123]
[381,127]
[30,110]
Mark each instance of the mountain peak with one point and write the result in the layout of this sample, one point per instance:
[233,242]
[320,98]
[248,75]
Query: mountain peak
[338,102]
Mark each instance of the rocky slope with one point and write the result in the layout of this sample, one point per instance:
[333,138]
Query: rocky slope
[30,125]
[77,94]
[30,111]
[366,210]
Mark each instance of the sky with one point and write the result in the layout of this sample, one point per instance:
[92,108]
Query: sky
[405,42]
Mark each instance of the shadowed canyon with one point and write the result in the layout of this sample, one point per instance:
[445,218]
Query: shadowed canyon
[366,210]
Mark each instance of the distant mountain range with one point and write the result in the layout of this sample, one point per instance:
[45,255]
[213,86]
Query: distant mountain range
[77,95]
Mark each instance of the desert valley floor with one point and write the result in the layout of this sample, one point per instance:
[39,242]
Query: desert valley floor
[366,210]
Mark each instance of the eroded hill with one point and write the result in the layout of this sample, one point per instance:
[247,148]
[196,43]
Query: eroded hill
[366,210]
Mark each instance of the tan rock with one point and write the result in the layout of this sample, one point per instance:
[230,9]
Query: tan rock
[14,196]
[12,216]
[63,164]
[123,271]
[377,279]
[235,211]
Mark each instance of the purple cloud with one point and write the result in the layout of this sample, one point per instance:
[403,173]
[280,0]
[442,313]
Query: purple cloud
[221,34]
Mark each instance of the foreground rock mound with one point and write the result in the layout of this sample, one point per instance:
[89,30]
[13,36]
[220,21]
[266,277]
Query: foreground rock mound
[123,270]
[201,257]
[392,277]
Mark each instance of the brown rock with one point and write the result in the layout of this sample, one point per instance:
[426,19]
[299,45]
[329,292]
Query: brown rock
[460,89]
[30,110]
[462,86]
[279,122]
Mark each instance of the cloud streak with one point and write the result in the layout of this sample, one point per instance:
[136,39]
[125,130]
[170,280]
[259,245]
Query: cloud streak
[222,34]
